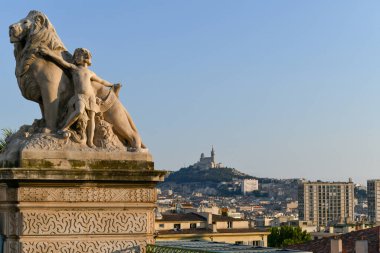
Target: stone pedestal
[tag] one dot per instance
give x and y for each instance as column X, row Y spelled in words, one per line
column 97, row 206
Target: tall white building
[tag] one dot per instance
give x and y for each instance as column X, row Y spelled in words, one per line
column 326, row 203
column 249, row 185
column 373, row 197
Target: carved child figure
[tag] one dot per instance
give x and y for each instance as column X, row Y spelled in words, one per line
column 85, row 99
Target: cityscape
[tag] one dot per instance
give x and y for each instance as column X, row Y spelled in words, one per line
column 241, row 209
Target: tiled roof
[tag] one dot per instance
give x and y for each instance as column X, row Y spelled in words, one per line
column 182, row 217
column 185, row 231
column 242, row 230
column 224, row 218
column 348, row 242
column 206, row 231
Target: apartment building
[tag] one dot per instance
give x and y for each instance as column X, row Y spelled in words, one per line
column 373, row 197
column 326, row 203
column 249, row 185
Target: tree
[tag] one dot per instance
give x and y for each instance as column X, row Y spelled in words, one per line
column 287, row 235
column 5, row 134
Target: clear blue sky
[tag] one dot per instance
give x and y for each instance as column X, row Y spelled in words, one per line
column 280, row 88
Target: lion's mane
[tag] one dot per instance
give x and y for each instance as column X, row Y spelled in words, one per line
column 41, row 34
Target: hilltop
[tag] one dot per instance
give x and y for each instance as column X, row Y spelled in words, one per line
column 210, row 181
column 224, row 181
column 209, row 177
column 193, row 174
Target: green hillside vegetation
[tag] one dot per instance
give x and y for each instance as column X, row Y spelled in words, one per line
column 192, row 174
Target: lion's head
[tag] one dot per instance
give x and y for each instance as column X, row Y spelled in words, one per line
column 30, row 33
column 33, row 31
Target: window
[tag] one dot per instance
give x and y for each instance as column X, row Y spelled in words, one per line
column 177, row 227
column 258, row 243
column 239, row 242
column 161, row 225
column 229, row 224
column 193, row 225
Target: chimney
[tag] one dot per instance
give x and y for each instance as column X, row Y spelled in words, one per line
column 361, row 246
column 336, row 246
column 214, row 229
column 207, row 216
column 209, row 219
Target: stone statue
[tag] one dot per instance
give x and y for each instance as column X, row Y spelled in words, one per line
column 79, row 179
column 54, row 83
column 85, row 100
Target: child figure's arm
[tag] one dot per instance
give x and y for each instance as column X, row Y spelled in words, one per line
column 95, row 78
column 57, row 59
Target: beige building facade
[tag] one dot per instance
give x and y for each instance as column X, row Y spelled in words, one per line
column 209, row 227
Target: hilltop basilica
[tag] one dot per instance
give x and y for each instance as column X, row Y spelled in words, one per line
column 207, row 162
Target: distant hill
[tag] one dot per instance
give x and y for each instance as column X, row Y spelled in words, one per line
column 223, row 182
column 215, row 175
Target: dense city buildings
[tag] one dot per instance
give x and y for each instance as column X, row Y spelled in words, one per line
column 202, row 202
column 249, row 185
column 326, row 203
column 373, row 198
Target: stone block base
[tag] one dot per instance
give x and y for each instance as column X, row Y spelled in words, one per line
column 72, row 245
column 68, row 214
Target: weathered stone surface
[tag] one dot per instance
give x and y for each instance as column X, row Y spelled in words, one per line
column 97, row 207
column 122, row 245
column 85, row 194
column 35, row 150
column 79, row 179
column 74, row 101
column 77, row 210
column 76, row 222
column 79, row 175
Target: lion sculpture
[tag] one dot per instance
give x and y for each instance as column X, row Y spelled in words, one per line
column 44, row 82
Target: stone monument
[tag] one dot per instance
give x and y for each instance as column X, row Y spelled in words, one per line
column 79, row 179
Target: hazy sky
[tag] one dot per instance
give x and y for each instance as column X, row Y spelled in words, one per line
column 280, row 88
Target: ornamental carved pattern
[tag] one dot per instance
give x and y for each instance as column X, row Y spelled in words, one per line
column 13, row 222
column 90, row 194
column 111, row 246
column 12, row 246
column 9, row 222
column 85, row 222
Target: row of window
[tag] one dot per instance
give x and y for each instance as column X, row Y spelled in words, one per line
column 192, row 225
column 253, row 243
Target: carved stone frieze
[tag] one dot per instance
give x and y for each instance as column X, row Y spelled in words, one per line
column 13, row 222
column 12, row 246
column 73, row 246
column 9, row 222
column 37, row 194
column 85, row 222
